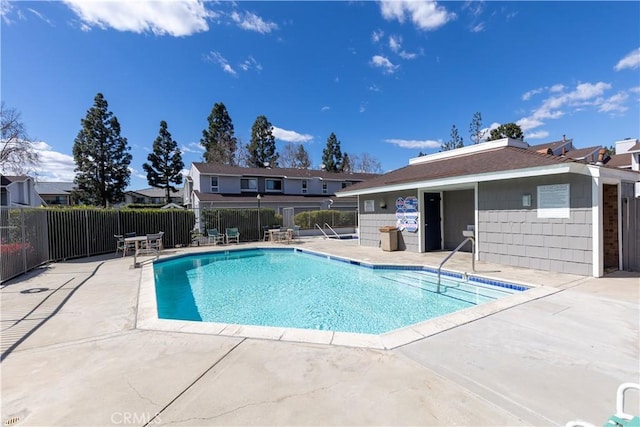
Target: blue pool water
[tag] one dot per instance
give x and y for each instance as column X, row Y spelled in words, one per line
column 296, row 289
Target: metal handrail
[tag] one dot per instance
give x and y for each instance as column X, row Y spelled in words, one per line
column 473, row 260
column 321, row 230
column 334, row 231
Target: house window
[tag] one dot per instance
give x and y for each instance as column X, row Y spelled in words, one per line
column 214, row 184
column 304, row 186
column 324, row 188
column 345, row 184
column 273, row 185
column 249, row 184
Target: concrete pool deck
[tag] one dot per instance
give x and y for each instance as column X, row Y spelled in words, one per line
column 73, row 355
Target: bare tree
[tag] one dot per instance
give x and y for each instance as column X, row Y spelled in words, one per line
column 365, row 163
column 17, row 151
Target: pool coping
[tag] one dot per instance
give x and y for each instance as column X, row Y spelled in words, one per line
column 147, row 313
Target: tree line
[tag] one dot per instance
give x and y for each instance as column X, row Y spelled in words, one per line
column 102, row 155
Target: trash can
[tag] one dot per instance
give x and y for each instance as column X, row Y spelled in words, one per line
column 389, row 238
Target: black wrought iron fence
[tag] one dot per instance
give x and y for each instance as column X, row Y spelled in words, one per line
column 23, row 241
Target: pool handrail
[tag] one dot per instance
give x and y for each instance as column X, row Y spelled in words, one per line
column 473, row 260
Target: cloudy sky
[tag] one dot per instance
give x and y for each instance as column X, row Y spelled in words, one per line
column 388, row 78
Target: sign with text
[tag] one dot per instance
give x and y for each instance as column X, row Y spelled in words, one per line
column 554, row 201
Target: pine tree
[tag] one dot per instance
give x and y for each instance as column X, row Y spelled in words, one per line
column 475, row 128
column 165, row 163
column 102, row 157
column 332, row 155
column 262, row 147
column 455, row 141
column 218, row 139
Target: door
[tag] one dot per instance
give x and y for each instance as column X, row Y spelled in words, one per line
column 433, row 237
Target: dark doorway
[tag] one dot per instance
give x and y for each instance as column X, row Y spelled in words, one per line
column 610, row 227
column 433, row 237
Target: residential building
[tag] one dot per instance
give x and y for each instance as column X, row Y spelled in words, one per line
column 526, row 206
column 152, row 196
column 56, row 193
column 212, row 185
column 18, row 191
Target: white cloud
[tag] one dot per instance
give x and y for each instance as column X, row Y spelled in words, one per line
column 478, row 28
column 217, row 58
column 556, row 88
column 426, row 15
column 40, row 15
column 395, row 43
column 536, row 135
column 414, row 143
column 54, row 166
column 374, row 88
column 377, row 35
column 363, row 107
column 632, row 60
column 527, row 95
column 173, row 17
column 250, row 63
column 252, row 22
column 384, row 63
column 635, row 89
column 325, row 108
column 614, row 104
column 290, row 136
column 527, row 123
column 474, row 7
column 407, row 55
column 5, row 10
column 193, row 147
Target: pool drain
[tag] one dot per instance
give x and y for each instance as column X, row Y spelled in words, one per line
column 12, row 421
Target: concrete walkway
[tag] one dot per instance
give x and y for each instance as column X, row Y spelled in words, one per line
column 73, row 356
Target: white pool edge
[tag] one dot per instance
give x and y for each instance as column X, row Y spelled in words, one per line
column 147, row 318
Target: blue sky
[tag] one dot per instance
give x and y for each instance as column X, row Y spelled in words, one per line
column 388, row 78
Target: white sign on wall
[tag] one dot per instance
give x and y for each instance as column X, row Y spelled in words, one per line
column 369, row 206
column 553, row 201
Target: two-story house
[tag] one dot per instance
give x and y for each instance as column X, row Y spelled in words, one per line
column 18, row 191
column 211, row 185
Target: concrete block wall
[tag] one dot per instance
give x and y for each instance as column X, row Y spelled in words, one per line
column 370, row 222
column 511, row 234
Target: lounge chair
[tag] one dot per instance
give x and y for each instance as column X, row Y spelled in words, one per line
column 266, row 236
column 232, row 234
column 214, row 237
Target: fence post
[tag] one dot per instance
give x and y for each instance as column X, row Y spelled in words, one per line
column 86, row 230
column 23, row 238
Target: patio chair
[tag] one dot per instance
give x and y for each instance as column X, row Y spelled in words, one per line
column 296, row 233
column 214, row 237
column 265, row 233
column 153, row 244
column 232, row 234
column 121, row 245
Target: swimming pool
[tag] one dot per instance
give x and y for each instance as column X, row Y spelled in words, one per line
column 293, row 288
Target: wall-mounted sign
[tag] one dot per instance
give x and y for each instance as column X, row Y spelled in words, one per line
column 554, row 201
column 369, row 206
column 407, row 214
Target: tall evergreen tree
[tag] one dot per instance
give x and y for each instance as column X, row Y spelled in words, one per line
column 507, row 130
column 165, row 163
column 102, row 157
column 455, row 141
column 262, row 147
column 218, row 140
column 475, row 128
column 331, row 154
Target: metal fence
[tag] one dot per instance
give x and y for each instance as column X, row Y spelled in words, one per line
column 30, row 237
column 24, row 242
